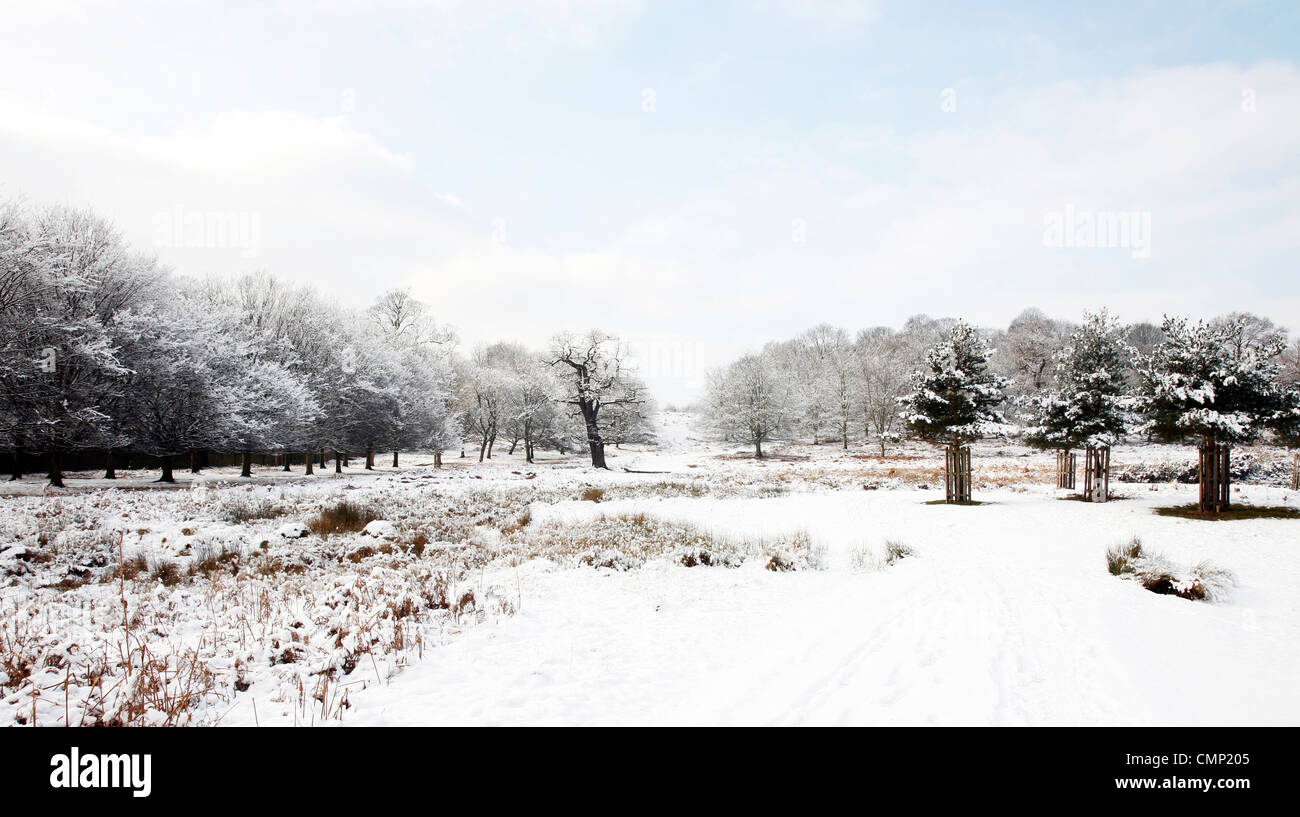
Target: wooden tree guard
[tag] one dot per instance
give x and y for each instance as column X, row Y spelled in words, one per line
column 957, row 474
column 1096, row 473
column 1215, row 483
column 1066, row 463
column 1295, row 472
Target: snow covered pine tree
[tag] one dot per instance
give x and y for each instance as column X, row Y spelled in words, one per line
column 1212, row 381
column 1087, row 404
column 954, row 400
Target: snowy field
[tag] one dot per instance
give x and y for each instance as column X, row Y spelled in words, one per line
column 552, row 593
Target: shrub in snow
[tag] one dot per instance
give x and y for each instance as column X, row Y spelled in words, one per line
column 342, row 517
column 1203, row 582
column 1120, row 558
column 380, row 529
column 896, row 552
column 293, row 530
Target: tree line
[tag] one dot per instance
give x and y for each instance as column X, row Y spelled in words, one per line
column 106, row 350
column 1062, row 385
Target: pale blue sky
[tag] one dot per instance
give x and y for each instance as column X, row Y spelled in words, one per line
column 798, row 165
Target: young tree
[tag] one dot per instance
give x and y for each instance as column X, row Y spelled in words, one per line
column 955, row 400
column 597, row 380
column 1218, row 382
column 748, row 401
column 1087, row 404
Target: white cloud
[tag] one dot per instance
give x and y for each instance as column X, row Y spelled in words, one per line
column 946, row 221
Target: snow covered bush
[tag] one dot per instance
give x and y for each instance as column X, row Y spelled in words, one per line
column 1205, row 581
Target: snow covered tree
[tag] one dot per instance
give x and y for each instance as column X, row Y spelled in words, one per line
column 1087, row 405
column 1219, row 382
column 71, row 277
column 882, row 378
column 175, row 400
column 955, row 400
column 748, row 401
column 1027, row 350
column 596, row 380
column 485, row 399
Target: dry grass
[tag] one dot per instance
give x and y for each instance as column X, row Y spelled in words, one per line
column 1234, row 512
column 895, row 552
column 592, row 494
column 342, row 517
column 628, row 541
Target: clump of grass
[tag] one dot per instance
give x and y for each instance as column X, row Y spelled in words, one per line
column 209, row 561
column 521, row 521
column 896, row 552
column 1120, row 559
column 1233, row 512
column 779, row 564
column 1205, row 581
column 342, row 517
column 592, row 494
column 168, row 574
column 240, row 507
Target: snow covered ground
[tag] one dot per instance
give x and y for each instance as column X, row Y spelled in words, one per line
column 1004, row 613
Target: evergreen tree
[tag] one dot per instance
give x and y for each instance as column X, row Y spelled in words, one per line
column 955, row 398
column 1205, row 380
column 1088, row 403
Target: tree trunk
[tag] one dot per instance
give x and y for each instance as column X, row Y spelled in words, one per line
column 109, row 471
column 16, row 473
column 482, row 448
column 322, row 457
column 288, row 460
column 1215, row 482
column 56, row 468
column 437, row 459
column 394, row 458
column 594, row 442
column 167, row 475
column 247, row 470
column 338, row 463
column 370, row 459
column 957, row 476
column 309, row 459
column 758, row 449
column 513, row 443
column 491, row 442
column 194, row 462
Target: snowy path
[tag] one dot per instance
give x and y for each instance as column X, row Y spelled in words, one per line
column 1017, row 622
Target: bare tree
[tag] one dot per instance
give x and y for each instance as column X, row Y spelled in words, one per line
column 595, row 362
